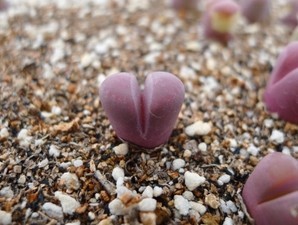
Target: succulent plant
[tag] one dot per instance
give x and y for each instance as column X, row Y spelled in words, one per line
column 142, row 117
column 219, row 20
column 256, row 10
column 281, row 95
column 291, row 19
column 271, row 191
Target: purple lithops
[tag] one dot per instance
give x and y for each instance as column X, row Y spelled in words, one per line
column 219, row 20
column 271, row 191
column 142, row 117
column 3, row 5
column 281, row 95
column 256, row 10
column 291, row 19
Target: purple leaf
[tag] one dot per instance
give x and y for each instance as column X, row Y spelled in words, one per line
column 291, row 19
column 256, row 10
column 281, row 94
column 219, row 20
column 271, row 191
column 143, row 117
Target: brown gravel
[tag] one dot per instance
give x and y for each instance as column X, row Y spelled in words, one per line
column 56, row 140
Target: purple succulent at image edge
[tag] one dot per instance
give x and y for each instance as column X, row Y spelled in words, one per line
column 142, row 117
column 271, row 191
column 291, row 19
column 227, row 10
column 281, row 94
column 256, row 10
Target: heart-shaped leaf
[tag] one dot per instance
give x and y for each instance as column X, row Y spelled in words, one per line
column 270, row 190
column 143, row 117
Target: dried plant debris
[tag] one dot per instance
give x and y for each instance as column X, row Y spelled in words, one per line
column 60, row 160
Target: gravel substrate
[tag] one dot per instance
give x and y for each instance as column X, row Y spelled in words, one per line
column 60, row 160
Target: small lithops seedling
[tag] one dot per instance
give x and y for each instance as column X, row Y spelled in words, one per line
column 281, row 95
column 142, row 117
column 271, row 191
column 256, row 10
column 291, row 19
column 219, row 20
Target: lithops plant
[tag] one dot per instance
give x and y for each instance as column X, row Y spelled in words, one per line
column 281, row 95
column 291, row 19
column 219, row 20
column 271, row 191
column 256, row 10
column 142, row 117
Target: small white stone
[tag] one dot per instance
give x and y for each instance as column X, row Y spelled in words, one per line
column 39, row 142
column 22, row 179
column 78, row 163
column 232, row 206
column 286, row 151
column 228, row 221
column 121, row 149
column 277, row 136
column 157, row 191
column 24, row 138
column 253, row 150
column 54, row 151
column 5, row 218
column 223, row 179
column 52, row 210
column 188, row 195
column 198, row 128
column 187, row 154
column 148, row 192
column 200, row 208
column 56, row 110
column 91, row 215
column 193, row 180
column 117, row 207
column 87, row 59
column 117, row 173
column 202, row 147
column 177, row 164
column 70, row 180
column 4, row 133
column 6, row 192
column 43, row 163
column 181, row 204
column 268, row 123
column 147, row 205
column 68, row 203
column 74, row 223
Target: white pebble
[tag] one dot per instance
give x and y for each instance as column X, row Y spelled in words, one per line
column 253, row 150
column 148, row 192
column 277, row 136
column 91, row 215
column 117, row 173
column 74, row 223
column 223, row 179
column 177, row 164
column 147, row 205
column 188, row 195
column 193, row 180
column 68, row 203
column 202, row 147
column 6, row 192
column 22, row 179
column 198, row 128
column 187, row 154
column 121, row 149
column 78, row 163
column 181, row 204
column 228, row 221
column 5, row 218
column 268, row 123
column 199, row 207
column 24, row 138
column 52, row 210
column 286, row 151
column 54, row 151
column 157, row 191
column 117, row 207
column 4, row 133
column 56, row 110
column 43, row 163
column 70, row 180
